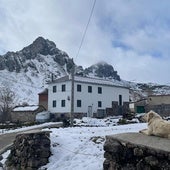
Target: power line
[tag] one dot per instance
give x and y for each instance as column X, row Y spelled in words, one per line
column 73, row 67
column 84, row 34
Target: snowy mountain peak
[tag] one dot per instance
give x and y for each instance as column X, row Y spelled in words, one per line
column 102, row 63
column 27, row 71
column 38, row 51
column 40, row 46
column 102, row 70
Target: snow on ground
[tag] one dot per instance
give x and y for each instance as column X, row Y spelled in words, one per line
column 82, row 147
column 109, row 121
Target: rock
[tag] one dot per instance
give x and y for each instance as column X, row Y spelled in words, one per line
column 30, row 151
column 21, row 60
column 103, row 70
column 1, row 165
column 107, row 155
column 134, row 151
column 112, row 146
column 138, row 152
column 106, row 164
column 1, row 157
column 151, row 160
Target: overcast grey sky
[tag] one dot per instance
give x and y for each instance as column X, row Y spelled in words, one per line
column 132, row 35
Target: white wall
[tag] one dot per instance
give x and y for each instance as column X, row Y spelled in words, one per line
column 109, row 94
column 58, row 96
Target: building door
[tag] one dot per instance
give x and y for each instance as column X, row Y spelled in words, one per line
column 89, row 113
column 120, row 100
column 140, row 109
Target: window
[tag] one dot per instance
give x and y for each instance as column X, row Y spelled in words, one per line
column 99, row 90
column 63, row 87
column 63, row 103
column 54, row 89
column 120, row 100
column 54, row 103
column 78, row 103
column 89, row 89
column 79, row 87
column 99, row 104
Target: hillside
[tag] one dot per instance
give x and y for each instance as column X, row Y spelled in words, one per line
column 26, row 72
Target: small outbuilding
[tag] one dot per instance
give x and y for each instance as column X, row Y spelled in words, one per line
column 139, row 106
column 26, row 113
column 159, row 103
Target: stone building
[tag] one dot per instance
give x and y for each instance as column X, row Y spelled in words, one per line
column 138, row 106
column 159, row 103
column 25, row 113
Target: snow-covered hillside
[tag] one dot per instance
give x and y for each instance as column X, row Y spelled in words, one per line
column 26, row 72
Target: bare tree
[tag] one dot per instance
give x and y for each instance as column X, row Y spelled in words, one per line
column 7, row 98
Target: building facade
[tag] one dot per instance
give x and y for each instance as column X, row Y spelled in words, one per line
column 91, row 96
column 159, row 103
column 25, row 113
column 43, row 99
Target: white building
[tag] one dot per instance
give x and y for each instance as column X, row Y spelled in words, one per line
column 91, row 95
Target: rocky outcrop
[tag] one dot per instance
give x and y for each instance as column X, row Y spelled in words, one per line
column 102, row 70
column 134, row 151
column 30, row 151
column 15, row 61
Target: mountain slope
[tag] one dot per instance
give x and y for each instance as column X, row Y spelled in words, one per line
column 26, row 71
column 40, row 51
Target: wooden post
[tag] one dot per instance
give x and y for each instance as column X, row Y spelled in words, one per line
column 72, row 96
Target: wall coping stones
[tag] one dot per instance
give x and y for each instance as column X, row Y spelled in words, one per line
column 154, row 142
column 35, row 131
column 136, row 151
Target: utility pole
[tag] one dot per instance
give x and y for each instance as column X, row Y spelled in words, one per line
column 72, row 96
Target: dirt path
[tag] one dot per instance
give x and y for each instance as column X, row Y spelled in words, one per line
column 6, row 140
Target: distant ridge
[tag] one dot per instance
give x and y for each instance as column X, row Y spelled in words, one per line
column 26, row 71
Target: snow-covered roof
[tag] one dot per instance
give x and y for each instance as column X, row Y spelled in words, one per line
column 45, row 91
column 25, row 108
column 91, row 80
column 96, row 81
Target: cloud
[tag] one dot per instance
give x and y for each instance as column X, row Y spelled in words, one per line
column 131, row 35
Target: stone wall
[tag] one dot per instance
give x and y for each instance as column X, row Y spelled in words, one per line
column 25, row 116
column 67, row 115
column 117, row 109
column 30, row 151
column 134, row 151
column 162, row 109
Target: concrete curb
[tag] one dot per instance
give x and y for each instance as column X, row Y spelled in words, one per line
column 6, row 148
